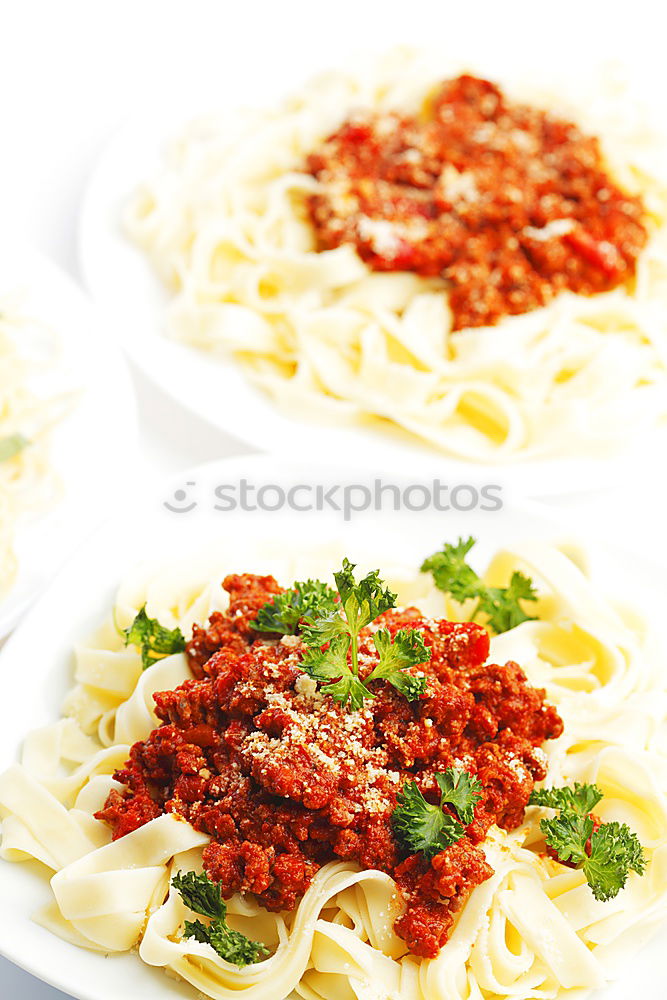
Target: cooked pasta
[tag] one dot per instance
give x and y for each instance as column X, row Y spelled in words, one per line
column 28, row 413
column 532, row 930
column 224, row 223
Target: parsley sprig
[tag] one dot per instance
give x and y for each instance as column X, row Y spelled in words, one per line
column 407, row 650
column 281, row 615
column 606, row 855
column 153, row 640
column 203, row 896
column 338, row 628
column 426, row 828
column 501, row 605
column 12, row 445
column 460, row 789
column 581, row 798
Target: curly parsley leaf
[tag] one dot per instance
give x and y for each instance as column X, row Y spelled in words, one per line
column 568, row 835
column 282, row 614
column 449, row 567
column 324, row 617
column 460, row 789
column 200, row 894
column 154, row 640
column 338, row 628
column 325, row 627
column 421, row 826
column 364, row 601
column 229, row 944
column 615, row 852
column 12, row 445
column 331, row 668
column 349, row 690
column 407, row 650
column 203, row 896
column 581, row 799
column 411, row 687
column 501, row 605
column 606, row 855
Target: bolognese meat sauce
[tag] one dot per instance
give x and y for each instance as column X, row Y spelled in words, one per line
column 283, row 779
column 508, row 204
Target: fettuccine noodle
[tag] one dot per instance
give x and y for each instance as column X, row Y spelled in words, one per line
column 27, row 479
column 532, row 930
column 225, row 226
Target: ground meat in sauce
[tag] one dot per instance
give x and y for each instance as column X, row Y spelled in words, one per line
column 284, row 779
column 508, row 204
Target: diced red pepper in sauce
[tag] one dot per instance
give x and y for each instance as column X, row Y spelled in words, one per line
column 283, row 779
column 506, row 203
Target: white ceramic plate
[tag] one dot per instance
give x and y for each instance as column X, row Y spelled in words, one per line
column 215, row 388
column 82, row 594
column 95, row 441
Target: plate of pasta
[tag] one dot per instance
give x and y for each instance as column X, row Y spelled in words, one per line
column 67, row 416
column 401, row 255
column 297, row 758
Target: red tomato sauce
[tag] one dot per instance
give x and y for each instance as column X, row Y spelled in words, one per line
column 284, row 779
column 508, row 204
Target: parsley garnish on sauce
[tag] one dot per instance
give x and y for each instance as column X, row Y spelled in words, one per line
column 500, row 605
column 153, row 640
column 203, row 896
column 460, row 789
column 338, row 628
column 329, row 623
column 423, row 827
column 606, row 855
column 282, row 614
column 407, row 650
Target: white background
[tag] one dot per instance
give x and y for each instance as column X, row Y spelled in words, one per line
column 71, row 71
